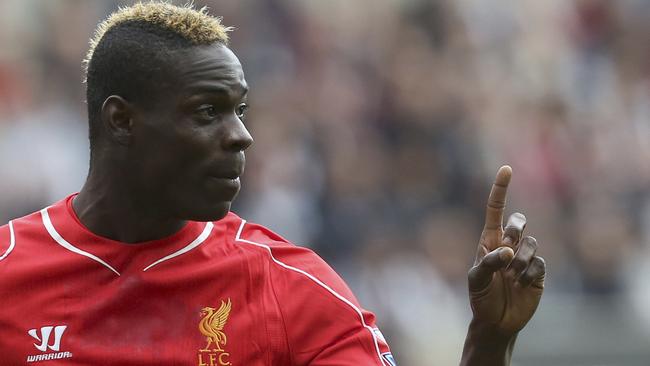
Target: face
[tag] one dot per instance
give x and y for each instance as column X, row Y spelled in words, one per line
column 188, row 149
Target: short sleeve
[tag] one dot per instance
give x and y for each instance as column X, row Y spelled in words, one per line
column 324, row 323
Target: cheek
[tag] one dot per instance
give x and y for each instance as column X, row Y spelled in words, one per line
column 189, row 154
column 172, row 153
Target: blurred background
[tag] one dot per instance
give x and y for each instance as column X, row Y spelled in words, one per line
column 378, row 127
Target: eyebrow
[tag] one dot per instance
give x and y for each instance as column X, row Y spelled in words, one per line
column 217, row 89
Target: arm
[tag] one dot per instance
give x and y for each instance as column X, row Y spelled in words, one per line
column 484, row 345
column 505, row 284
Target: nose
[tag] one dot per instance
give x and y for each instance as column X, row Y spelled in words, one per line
column 236, row 138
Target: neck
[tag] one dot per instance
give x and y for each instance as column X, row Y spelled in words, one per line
column 109, row 205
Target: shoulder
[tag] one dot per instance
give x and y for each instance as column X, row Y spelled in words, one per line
column 293, row 266
column 253, row 235
column 311, row 295
column 256, row 234
column 280, row 250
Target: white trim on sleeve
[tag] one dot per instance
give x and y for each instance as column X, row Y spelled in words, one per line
column 318, row 282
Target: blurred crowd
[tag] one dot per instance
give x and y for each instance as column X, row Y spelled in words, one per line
column 378, row 127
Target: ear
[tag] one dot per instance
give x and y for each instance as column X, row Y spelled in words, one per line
column 117, row 118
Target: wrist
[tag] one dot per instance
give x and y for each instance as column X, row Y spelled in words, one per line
column 487, row 345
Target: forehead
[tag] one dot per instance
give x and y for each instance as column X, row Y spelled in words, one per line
column 210, row 68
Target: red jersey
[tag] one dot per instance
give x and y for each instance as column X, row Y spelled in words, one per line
column 219, row 293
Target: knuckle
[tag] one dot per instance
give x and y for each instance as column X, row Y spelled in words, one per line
column 526, row 279
column 513, row 234
column 511, row 229
column 540, row 262
column 516, row 223
column 530, row 242
column 530, row 275
column 496, row 204
column 518, row 264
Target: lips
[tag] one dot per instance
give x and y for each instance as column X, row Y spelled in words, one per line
column 225, row 188
column 229, row 169
column 231, row 175
column 227, row 181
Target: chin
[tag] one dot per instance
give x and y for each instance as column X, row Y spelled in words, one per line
column 214, row 212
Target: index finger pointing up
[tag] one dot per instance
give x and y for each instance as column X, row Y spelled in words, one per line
column 497, row 200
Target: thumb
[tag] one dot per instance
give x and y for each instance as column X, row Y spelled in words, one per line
column 480, row 276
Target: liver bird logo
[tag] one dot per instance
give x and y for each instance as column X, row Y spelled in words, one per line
column 212, row 326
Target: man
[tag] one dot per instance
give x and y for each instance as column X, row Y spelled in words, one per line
column 147, row 266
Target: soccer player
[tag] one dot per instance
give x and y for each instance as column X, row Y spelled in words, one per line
column 146, row 265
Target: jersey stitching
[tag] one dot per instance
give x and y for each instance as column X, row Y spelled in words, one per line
column 246, row 253
column 284, row 323
column 289, row 353
column 12, row 241
column 317, row 281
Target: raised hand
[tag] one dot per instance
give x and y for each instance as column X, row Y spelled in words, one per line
column 507, row 279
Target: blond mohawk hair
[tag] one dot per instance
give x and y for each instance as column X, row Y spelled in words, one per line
column 195, row 25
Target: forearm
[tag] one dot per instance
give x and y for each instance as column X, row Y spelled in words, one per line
column 486, row 346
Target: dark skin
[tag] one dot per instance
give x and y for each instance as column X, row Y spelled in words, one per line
column 156, row 168
column 505, row 284
column 180, row 160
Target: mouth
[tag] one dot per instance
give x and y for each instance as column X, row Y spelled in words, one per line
column 231, row 174
column 225, row 177
column 227, row 183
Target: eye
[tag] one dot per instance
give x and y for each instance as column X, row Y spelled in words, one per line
column 241, row 110
column 207, row 112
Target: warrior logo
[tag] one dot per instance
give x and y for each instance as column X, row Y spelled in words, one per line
column 44, row 338
column 211, row 326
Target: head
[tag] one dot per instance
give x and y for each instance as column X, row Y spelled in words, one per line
column 166, row 103
column 207, row 311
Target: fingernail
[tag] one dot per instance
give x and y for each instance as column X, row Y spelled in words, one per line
column 503, row 254
column 507, row 241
